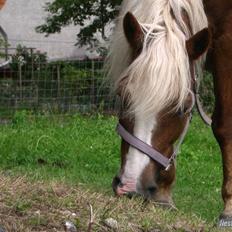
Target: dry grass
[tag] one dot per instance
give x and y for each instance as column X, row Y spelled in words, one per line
column 42, row 206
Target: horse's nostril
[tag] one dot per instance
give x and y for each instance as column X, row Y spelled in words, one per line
column 116, row 183
column 152, row 189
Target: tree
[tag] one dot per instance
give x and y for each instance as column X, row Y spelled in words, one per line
column 92, row 15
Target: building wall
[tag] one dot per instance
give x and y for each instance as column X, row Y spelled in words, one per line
column 20, row 17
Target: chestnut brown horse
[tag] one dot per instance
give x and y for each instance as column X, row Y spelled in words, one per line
column 219, row 62
column 157, row 49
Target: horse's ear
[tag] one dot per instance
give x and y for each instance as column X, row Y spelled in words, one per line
column 199, row 44
column 133, row 31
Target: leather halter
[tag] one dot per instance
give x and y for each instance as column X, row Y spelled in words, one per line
column 151, row 152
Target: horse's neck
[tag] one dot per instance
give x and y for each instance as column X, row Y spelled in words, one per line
column 217, row 9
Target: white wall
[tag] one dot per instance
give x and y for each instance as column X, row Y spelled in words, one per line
column 19, row 19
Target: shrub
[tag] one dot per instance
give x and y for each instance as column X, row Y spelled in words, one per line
column 27, row 60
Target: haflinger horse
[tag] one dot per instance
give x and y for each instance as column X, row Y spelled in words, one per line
column 157, row 49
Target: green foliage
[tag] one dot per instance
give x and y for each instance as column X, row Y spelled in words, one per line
column 83, row 85
column 1, row 41
column 65, row 12
column 3, row 44
column 207, row 92
column 27, row 59
column 56, row 87
column 71, row 73
column 20, row 118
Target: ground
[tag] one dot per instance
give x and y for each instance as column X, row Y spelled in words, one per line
column 41, row 206
column 55, row 169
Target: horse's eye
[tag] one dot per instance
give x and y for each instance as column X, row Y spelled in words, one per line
column 181, row 112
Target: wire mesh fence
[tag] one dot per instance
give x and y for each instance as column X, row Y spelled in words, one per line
column 30, row 82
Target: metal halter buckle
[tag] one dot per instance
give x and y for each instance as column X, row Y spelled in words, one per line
column 168, row 167
column 171, row 162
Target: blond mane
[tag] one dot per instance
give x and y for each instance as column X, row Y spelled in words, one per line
column 160, row 75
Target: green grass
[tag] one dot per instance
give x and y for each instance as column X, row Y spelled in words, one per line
column 85, row 150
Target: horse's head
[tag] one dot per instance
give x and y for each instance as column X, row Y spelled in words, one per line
column 156, row 100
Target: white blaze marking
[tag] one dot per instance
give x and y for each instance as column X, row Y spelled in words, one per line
column 136, row 161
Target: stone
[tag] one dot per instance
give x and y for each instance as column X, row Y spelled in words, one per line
column 111, row 223
column 70, row 227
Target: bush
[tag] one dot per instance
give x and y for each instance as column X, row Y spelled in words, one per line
column 27, row 60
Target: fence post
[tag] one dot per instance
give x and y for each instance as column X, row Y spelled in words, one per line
column 32, row 65
column 93, row 83
column 20, row 82
column 58, row 86
column 33, row 78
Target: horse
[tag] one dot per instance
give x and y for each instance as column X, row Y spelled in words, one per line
column 157, row 49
